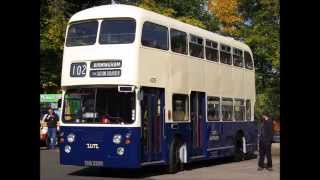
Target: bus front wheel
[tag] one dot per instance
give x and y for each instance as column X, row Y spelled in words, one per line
column 175, row 163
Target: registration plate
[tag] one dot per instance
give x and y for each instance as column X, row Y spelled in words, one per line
column 93, row 163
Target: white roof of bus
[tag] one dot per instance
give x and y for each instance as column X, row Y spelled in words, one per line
column 118, row 10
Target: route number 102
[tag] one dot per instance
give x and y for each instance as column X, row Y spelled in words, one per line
column 78, row 69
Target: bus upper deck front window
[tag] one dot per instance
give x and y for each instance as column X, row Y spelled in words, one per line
column 82, row 33
column 99, row 105
column 117, row 31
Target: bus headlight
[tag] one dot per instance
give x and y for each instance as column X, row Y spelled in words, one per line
column 120, row 151
column 70, row 138
column 116, row 138
column 67, row 149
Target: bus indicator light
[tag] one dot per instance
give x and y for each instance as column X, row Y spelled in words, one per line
column 128, row 135
column 127, row 141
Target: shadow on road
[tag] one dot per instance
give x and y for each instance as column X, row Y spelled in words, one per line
column 144, row 172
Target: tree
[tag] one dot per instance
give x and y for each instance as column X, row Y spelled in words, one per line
column 261, row 32
column 189, row 11
column 227, row 13
column 153, row 6
column 53, row 23
column 256, row 21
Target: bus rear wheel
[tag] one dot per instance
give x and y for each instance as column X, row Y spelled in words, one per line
column 175, row 163
column 239, row 153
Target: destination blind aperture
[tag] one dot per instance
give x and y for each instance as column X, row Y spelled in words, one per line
column 105, row 73
column 106, row 64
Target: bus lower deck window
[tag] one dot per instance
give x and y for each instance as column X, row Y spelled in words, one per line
column 239, row 110
column 213, row 108
column 180, row 107
column 227, row 109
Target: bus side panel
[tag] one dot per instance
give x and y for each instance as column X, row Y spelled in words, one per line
column 222, row 134
column 227, row 133
column 181, row 130
column 82, row 154
column 250, row 132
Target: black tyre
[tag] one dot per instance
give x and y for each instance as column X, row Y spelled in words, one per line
column 250, row 155
column 174, row 160
column 238, row 151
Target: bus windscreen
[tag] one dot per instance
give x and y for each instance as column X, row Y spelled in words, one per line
column 98, row 106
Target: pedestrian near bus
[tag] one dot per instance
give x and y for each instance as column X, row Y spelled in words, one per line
column 265, row 142
column 51, row 119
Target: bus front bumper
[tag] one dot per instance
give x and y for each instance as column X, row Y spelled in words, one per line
column 94, row 146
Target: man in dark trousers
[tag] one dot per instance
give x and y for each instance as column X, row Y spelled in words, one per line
column 265, row 141
column 51, row 119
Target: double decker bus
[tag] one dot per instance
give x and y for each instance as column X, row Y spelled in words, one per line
column 140, row 88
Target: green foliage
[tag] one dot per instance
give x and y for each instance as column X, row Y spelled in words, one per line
column 259, row 27
column 188, row 11
column 261, row 33
column 153, row 6
column 192, row 21
column 53, row 23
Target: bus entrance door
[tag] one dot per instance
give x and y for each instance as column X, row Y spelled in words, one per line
column 152, row 124
column 198, row 116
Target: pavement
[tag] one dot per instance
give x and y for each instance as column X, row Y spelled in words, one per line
column 222, row 169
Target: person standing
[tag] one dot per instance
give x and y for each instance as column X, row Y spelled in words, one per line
column 265, row 142
column 51, row 119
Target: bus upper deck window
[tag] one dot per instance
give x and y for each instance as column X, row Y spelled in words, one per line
column 237, row 57
column 117, row 31
column 155, row 36
column 225, row 54
column 82, row 33
column 196, row 46
column 178, row 41
column 212, row 51
column 248, row 60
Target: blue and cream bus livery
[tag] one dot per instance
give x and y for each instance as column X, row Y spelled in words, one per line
column 140, row 88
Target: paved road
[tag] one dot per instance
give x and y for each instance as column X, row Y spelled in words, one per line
column 208, row 170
